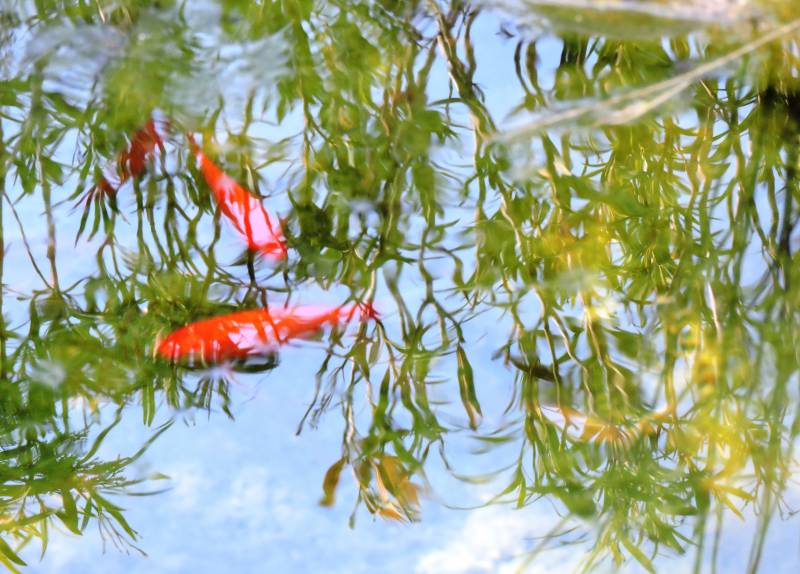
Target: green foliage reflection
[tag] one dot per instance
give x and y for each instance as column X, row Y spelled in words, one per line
column 628, row 246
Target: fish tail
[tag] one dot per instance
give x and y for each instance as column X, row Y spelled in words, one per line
column 363, row 311
column 272, row 251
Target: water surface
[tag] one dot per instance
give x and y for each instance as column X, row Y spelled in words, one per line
column 577, row 223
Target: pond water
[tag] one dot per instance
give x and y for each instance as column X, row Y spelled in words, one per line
column 519, row 282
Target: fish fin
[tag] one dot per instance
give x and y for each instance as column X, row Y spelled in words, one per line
column 242, row 259
column 368, row 311
column 257, row 363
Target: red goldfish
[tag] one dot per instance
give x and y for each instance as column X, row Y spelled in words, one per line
column 243, row 334
column 132, row 161
column 243, row 209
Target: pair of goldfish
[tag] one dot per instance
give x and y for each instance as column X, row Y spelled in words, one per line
column 243, row 334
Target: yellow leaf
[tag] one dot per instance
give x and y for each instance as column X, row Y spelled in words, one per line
column 391, row 512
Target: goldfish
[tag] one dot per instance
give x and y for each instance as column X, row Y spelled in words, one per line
column 242, row 208
column 243, row 334
column 132, row 161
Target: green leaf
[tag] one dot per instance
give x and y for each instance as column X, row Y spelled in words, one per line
column 638, row 554
column 69, row 516
column 466, row 386
column 9, row 554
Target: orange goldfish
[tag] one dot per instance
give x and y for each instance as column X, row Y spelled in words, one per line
column 243, row 209
column 243, row 334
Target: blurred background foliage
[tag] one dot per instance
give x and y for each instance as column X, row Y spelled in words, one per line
column 606, row 193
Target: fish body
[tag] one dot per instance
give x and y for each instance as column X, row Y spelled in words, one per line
column 242, row 208
column 243, row 334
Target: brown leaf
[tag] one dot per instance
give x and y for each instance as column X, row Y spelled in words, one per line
column 330, row 483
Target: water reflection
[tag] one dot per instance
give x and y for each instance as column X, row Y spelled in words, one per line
column 634, row 274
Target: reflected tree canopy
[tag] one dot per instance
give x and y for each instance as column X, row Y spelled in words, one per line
column 612, row 207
